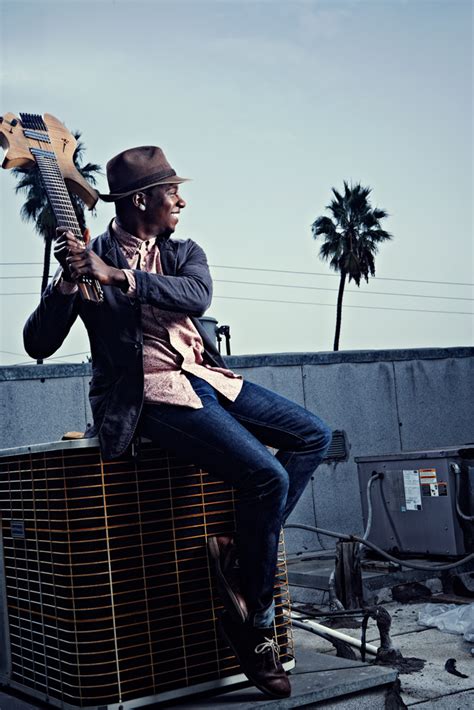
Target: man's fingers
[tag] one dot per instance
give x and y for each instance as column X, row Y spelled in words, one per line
column 63, row 231
column 65, row 238
column 78, row 263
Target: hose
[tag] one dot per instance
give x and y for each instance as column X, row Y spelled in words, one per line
column 368, row 527
column 372, row 546
column 455, row 468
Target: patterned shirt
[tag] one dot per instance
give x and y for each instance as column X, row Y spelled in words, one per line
column 172, row 345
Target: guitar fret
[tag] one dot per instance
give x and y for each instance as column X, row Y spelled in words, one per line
column 57, row 193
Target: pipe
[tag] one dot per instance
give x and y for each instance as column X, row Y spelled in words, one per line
column 401, row 563
column 319, row 629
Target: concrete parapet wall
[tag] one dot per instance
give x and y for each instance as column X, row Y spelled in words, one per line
column 386, row 401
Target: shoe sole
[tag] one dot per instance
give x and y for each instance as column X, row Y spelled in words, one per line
column 264, row 690
column 235, row 610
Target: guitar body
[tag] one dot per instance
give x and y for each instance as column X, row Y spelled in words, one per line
column 63, row 143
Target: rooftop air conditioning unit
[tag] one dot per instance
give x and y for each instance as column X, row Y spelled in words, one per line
column 106, row 595
column 423, row 503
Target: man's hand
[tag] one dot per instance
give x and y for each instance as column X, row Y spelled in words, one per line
column 78, row 261
column 65, row 245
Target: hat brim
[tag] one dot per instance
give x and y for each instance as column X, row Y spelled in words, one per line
column 113, row 197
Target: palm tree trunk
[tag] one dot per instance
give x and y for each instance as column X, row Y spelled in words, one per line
column 48, row 240
column 340, row 294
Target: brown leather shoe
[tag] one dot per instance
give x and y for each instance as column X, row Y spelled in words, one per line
column 258, row 654
column 223, row 553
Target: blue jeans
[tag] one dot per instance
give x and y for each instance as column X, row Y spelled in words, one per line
column 229, row 440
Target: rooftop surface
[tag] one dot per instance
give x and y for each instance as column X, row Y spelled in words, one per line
column 323, row 680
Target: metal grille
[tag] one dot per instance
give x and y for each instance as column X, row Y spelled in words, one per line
column 109, row 592
column 338, row 449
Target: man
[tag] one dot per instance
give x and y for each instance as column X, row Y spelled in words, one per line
column 155, row 372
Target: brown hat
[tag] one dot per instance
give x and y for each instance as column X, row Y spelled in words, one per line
column 136, row 169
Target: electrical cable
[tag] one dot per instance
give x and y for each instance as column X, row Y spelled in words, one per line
column 303, row 303
column 332, row 305
column 57, row 357
column 372, row 546
column 21, row 263
column 281, row 271
column 322, row 288
column 371, row 481
column 49, row 276
column 455, row 468
column 341, row 612
column 319, row 273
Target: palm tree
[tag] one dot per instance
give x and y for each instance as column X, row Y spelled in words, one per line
column 351, row 239
column 38, row 209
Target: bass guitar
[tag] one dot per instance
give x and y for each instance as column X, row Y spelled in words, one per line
column 43, row 140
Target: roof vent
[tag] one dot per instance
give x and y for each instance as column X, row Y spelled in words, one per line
column 339, row 447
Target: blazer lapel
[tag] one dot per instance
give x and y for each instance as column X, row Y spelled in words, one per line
column 112, row 252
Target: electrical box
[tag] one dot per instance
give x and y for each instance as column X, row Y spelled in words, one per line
column 423, row 502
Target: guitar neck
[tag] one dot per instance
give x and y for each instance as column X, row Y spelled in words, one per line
column 57, row 191
column 34, row 128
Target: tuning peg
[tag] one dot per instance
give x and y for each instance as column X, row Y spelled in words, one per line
column 13, row 123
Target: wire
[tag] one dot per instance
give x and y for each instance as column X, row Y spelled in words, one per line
column 402, row 563
column 327, row 614
column 57, row 357
column 302, row 303
column 26, row 277
column 321, row 288
column 21, row 263
column 331, row 305
column 456, row 469
column 319, row 273
column 61, row 357
column 279, row 271
column 307, row 288
column 375, row 475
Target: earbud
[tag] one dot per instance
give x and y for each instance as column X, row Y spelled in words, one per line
column 142, row 207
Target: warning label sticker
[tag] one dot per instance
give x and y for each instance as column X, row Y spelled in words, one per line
column 428, row 475
column 411, row 485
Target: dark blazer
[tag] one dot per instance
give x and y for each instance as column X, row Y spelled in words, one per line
column 115, row 331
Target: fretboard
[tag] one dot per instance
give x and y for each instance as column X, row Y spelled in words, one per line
column 35, row 128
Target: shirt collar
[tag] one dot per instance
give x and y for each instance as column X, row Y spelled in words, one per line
column 130, row 244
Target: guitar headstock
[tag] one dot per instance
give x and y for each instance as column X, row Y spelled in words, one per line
column 14, row 143
column 20, row 134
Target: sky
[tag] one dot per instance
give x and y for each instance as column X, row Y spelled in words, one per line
column 267, row 105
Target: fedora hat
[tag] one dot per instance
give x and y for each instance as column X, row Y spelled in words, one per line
column 136, row 169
